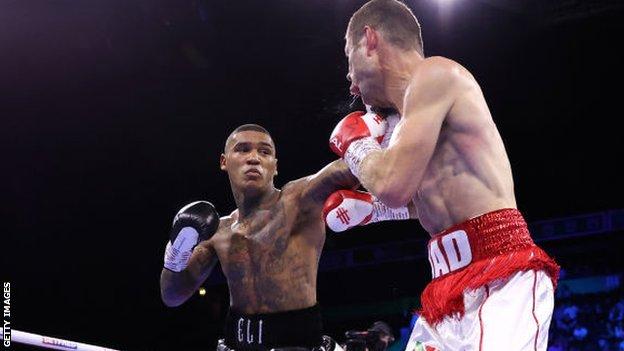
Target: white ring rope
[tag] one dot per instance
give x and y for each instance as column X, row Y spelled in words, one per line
column 49, row 342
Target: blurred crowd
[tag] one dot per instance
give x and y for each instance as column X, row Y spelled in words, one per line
column 587, row 321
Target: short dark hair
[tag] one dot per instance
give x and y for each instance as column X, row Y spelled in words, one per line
column 247, row 127
column 250, row 126
column 391, row 17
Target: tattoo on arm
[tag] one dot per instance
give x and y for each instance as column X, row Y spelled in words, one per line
column 334, row 176
column 177, row 287
column 201, row 263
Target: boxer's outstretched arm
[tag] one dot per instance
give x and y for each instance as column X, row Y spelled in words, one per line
column 177, row 287
column 332, row 177
column 394, row 174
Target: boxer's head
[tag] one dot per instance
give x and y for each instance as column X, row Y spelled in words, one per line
column 249, row 158
column 376, row 29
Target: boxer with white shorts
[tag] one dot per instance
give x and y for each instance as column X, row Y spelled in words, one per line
column 492, row 288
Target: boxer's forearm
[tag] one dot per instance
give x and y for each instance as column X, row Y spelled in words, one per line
column 332, row 177
column 386, row 176
column 177, row 287
column 375, row 176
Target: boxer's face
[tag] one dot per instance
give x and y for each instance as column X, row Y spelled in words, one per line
column 364, row 72
column 249, row 160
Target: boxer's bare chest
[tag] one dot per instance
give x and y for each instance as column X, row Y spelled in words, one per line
column 263, row 245
column 250, row 241
column 468, row 173
column 267, row 263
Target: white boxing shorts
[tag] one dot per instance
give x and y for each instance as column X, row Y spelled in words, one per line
column 492, row 288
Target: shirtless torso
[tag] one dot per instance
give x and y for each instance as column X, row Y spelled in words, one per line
column 445, row 154
column 271, row 259
column 468, row 173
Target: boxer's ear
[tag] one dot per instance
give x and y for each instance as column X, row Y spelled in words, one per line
column 222, row 163
column 371, row 39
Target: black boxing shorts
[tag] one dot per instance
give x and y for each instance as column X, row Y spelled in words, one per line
column 266, row 331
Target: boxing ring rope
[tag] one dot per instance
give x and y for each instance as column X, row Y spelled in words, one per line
column 49, row 342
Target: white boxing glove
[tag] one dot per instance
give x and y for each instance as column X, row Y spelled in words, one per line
column 345, row 209
column 355, row 136
column 392, row 121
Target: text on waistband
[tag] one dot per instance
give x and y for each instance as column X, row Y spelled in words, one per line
column 449, row 252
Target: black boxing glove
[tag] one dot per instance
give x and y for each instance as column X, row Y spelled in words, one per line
column 195, row 222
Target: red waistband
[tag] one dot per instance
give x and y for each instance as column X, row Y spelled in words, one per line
column 476, row 252
column 491, row 234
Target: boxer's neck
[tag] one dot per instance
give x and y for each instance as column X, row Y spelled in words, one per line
column 398, row 69
column 250, row 203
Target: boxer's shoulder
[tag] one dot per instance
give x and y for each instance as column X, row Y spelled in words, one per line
column 292, row 190
column 225, row 222
column 437, row 80
column 221, row 239
column 297, row 192
column 317, row 187
column 440, row 65
column 439, row 72
column 294, row 198
column 438, row 61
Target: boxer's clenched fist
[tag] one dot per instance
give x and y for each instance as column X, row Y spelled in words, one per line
column 355, row 126
column 345, row 209
column 195, row 222
column 356, row 135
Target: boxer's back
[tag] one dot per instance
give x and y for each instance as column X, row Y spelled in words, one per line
column 270, row 259
column 469, row 172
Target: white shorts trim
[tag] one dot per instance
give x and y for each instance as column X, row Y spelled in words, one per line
column 510, row 314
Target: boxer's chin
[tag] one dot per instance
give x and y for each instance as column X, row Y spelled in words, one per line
column 375, row 103
column 254, row 185
column 367, row 100
column 384, row 111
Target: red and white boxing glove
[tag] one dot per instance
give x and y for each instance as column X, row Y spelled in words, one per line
column 345, row 209
column 355, row 136
column 391, row 122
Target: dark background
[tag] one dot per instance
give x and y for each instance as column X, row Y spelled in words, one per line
column 114, row 114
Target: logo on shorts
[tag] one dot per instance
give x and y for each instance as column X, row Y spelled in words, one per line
column 249, row 331
column 449, row 253
column 343, row 215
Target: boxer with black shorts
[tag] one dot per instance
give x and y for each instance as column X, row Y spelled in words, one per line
column 269, row 247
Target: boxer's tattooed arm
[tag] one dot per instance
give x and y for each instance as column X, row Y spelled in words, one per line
column 334, row 176
column 177, row 287
column 202, row 262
